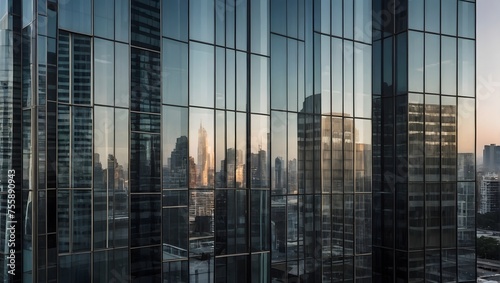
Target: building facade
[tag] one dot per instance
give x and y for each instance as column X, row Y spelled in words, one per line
column 238, row 140
column 491, row 158
column 489, row 194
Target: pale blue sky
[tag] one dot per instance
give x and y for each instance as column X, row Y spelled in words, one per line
column 488, row 74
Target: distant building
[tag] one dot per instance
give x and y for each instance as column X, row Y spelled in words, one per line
column 489, row 193
column 491, row 158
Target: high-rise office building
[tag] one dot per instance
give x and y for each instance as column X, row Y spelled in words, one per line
column 238, row 140
column 491, row 158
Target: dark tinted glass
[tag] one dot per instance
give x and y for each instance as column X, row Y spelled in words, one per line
column 145, row 216
column 145, row 264
column 145, row 81
column 145, row 23
column 145, row 163
column 76, row 16
column 175, row 19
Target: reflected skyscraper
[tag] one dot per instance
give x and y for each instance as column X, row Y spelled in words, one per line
column 239, row 141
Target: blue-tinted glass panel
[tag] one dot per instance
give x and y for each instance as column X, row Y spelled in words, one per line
column 241, row 24
column 449, row 17
column 259, row 82
column 322, row 73
column 176, row 272
column 104, row 75
column 241, row 81
column 466, row 67
column 230, row 79
column 448, row 65
column 322, row 16
column 76, row 16
column 260, row 27
column 348, row 18
column 348, row 78
column 81, row 147
column 81, row 70
column 175, row 19
column 220, row 78
column 81, row 214
column 337, row 20
column 432, row 15
column 175, row 147
column 27, row 12
column 122, row 20
column 201, row 20
column 337, row 76
column 401, row 63
column 201, row 75
column 416, row 14
column 145, row 163
column 466, row 19
column 74, row 268
column 278, row 19
column 145, row 23
column 145, row 81
column 122, row 74
column 145, row 224
column 363, row 20
column 175, row 72
column 104, row 18
column 121, row 179
column 362, row 80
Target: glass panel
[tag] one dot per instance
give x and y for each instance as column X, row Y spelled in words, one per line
column 348, row 78
column 122, row 20
column 81, row 214
column 363, row 161
column 415, row 137
column 231, row 152
column 449, row 17
column 416, row 61
column 220, row 149
column 175, row 19
column 260, row 151
column 104, row 18
column 260, row 27
column 337, row 21
column 432, row 138
column 278, row 19
column 81, row 148
column 278, row 72
column 230, row 19
column 363, row 213
column 416, row 14
column 175, row 72
column 201, row 232
column 363, row 21
column 145, row 23
column 466, row 67
column 293, row 139
column 103, row 170
column 348, row 155
column 241, row 150
column 466, row 265
column 201, row 149
column 401, row 63
column 145, row 163
column 231, row 222
column 337, row 76
column 432, row 63
column 322, row 73
column 432, row 215
column 466, row 144
column 121, row 179
column 362, row 80
column 145, row 220
column 176, row 271
column 122, row 73
column 241, row 81
column 348, row 18
column 201, row 20
column 76, row 16
column 448, row 215
column 448, row 138
column 466, row 218
column 104, row 76
column 175, row 233
column 201, row 75
column 145, row 81
column 278, row 151
column 74, row 268
column 259, row 216
column 241, row 24
column 466, row 19
column 220, row 78
column 145, row 264
column 259, row 83
column 81, row 71
column 293, row 82
column 230, row 79
column 416, row 222
column 432, row 15
column 448, row 65
column 144, row 122
column 175, row 147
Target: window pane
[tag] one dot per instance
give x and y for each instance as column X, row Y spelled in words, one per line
column 201, row 20
column 260, row 27
column 260, row 225
column 122, row 20
column 175, row 72
column 363, row 20
column 104, row 18
column 432, row 138
column 337, row 76
column 175, row 19
column 104, row 72
column 241, row 81
column 362, row 80
column 363, row 153
column 448, row 138
column 220, row 78
column 175, row 147
column 176, row 272
column 145, row 23
column 432, row 63
column 293, row 75
column 260, row 151
column 145, row 81
column 76, row 16
column 415, row 137
column 145, row 163
column 201, row 74
column 348, row 78
column 466, row 67
column 241, row 24
column 466, row 144
column 220, row 149
column 122, row 73
column 145, row 264
column 278, row 72
column 416, row 14
column 448, row 65
column 432, row 15
column 466, row 19
column 81, row 73
column 259, row 84
column 416, row 62
column 175, row 233
column 449, row 17
column 145, row 224
column 278, row 151
column 81, row 147
column 201, row 150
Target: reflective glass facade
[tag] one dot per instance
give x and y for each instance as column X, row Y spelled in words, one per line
column 239, row 140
